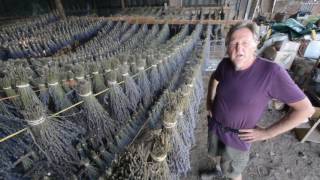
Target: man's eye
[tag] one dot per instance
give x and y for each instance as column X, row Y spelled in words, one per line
column 233, row 44
column 245, row 43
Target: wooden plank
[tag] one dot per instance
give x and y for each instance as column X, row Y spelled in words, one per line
column 191, row 8
column 316, row 114
column 152, row 20
column 308, row 134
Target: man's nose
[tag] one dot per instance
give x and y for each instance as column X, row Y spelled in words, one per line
column 239, row 46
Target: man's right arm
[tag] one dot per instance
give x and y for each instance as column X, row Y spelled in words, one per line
column 212, row 87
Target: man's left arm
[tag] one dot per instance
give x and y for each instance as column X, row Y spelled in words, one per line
column 301, row 111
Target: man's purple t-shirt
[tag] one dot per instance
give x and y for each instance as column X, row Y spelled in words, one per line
column 242, row 96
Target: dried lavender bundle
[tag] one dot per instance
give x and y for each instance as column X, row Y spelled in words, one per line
column 6, row 84
column 153, row 75
column 47, row 132
column 24, row 89
column 67, row 77
column 79, row 72
column 99, row 123
column 4, row 110
column 98, row 84
column 179, row 157
column 130, row 88
column 164, row 79
column 13, row 148
column 144, row 83
column 116, row 101
column 44, row 95
column 60, row 99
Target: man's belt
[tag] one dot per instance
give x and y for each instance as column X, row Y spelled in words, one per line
column 222, row 127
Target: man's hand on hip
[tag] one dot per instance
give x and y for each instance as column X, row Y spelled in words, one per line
column 252, row 135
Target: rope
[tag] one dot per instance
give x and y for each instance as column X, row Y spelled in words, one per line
column 36, row 122
column 12, row 135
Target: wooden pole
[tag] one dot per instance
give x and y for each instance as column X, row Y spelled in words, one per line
column 123, row 4
column 274, row 4
column 248, row 10
column 60, row 9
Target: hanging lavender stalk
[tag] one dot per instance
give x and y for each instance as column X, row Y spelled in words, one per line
column 130, row 88
column 199, row 88
column 153, row 75
column 89, row 171
column 99, row 124
column 164, row 79
column 106, row 155
column 13, row 148
column 43, row 91
column 56, row 91
column 143, row 82
column 79, row 72
column 4, row 110
column 133, row 65
column 189, row 114
column 60, row 100
column 97, row 160
column 179, row 157
column 106, row 67
column 97, row 82
column 66, row 76
column 169, row 63
column 184, row 126
column 117, row 102
column 69, row 86
column 47, row 132
column 24, row 88
column 6, row 84
column 64, row 82
column 115, row 64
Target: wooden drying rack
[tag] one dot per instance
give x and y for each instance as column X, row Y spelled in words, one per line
column 152, row 20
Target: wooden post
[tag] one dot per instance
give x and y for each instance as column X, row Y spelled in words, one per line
column 256, row 9
column 122, row 4
column 274, row 4
column 60, row 9
column 248, row 10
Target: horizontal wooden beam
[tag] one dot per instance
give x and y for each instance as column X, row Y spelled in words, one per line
column 152, row 20
column 189, row 8
column 206, row 8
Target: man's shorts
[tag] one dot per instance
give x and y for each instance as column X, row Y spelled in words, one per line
column 233, row 161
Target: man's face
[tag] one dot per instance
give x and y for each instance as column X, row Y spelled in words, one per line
column 241, row 49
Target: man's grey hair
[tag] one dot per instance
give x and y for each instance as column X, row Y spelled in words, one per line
column 249, row 25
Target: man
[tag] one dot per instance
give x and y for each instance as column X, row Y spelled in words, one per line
column 238, row 94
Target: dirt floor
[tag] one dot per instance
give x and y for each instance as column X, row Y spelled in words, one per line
column 280, row 158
